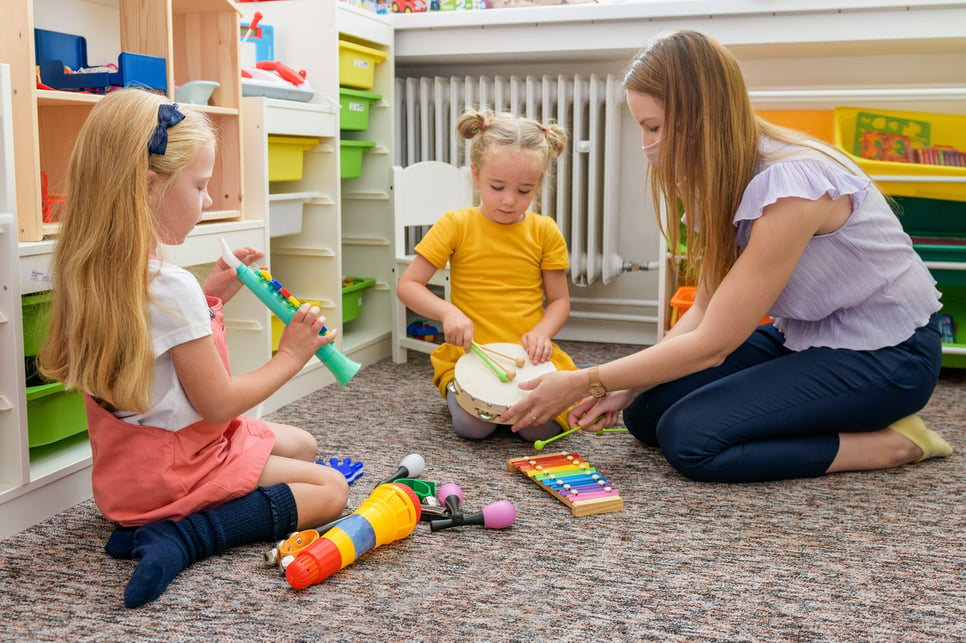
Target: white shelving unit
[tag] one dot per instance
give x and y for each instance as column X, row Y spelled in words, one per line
column 346, row 227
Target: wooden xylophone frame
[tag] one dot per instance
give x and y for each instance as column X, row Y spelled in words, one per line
column 571, row 480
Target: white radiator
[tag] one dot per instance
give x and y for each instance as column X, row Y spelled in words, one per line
column 582, row 191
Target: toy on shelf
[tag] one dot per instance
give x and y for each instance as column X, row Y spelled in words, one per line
column 283, row 304
column 422, row 329
column 388, row 514
column 273, row 79
column 49, row 199
column 572, row 480
column 62, row 62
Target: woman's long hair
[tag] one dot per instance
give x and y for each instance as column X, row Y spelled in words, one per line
column 99, row 337
column 709, row 144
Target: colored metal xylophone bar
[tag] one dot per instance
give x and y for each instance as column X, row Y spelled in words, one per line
column 572, row 480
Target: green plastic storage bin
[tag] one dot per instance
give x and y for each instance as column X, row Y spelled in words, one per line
column 350, row 158
column 354, row 115
column 954, row 304
column 937, row 227
column 34, row 310
column 53, row 414
column 352, row 292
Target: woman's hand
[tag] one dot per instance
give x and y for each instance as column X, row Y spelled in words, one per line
column 222, row 281
column 599, row 412
column 551, row 394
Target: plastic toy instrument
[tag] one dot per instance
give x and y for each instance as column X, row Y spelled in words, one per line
column 284, row 304
column 389, row 513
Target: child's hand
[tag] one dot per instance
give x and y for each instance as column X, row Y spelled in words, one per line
column 539, row 347
column 222, row 282
column 458, row 329
column 301, row 337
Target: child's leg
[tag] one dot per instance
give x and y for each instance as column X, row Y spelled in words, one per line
column 166, row 548
column 293, row 442
column 320, row 492
column 466, row 425
column 540, row 432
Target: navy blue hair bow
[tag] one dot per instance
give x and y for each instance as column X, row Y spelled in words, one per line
column 168, row 115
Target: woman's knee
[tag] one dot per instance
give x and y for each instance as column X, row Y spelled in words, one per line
column 640, row 422
column 684, row 448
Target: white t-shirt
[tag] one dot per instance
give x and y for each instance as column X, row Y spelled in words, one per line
column 179, row 313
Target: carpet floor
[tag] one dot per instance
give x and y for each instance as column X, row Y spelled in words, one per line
column 875, row 556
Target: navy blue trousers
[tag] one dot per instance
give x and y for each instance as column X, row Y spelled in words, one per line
column 769, row 413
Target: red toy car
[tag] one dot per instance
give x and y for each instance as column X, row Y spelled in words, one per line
column 408, row 6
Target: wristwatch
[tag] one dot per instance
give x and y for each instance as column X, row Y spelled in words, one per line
column 596, row 388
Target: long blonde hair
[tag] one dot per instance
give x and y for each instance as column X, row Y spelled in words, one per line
column 99, row 338
column 709, row 144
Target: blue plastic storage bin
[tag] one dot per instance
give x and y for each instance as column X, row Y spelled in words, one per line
column 55, row 50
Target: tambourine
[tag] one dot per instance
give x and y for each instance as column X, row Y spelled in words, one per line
column 479, row 390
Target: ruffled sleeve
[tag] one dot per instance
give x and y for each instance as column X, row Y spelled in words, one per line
column 807, row 178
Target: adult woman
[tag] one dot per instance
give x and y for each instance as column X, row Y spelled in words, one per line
column 775, row 224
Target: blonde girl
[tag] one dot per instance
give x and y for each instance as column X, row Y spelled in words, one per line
column 175, row 462
column 780, row 225
column 507, row 264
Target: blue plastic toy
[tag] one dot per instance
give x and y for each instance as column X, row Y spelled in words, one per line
column 351, row 470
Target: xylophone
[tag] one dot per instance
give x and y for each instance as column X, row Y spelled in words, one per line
column 572, row 480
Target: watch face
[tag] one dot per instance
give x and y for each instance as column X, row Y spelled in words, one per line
column 597, row 390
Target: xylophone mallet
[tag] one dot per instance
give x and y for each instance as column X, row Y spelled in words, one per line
column 517, row 361
column 496, row 515
column 503, row 373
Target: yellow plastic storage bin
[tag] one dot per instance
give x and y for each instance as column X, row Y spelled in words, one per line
column 286, row 156
column 53, row 414
column 350, row 158
column 908, row 179
column 278, row 325
column 357, row 65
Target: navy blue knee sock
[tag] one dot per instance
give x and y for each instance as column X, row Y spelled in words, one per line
column 166, row 548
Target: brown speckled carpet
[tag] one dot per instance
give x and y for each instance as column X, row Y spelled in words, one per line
column 851, row 557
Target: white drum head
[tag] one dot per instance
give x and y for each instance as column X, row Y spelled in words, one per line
column 479, row 390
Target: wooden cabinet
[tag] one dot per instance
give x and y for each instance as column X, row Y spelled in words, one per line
column 195, row 37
